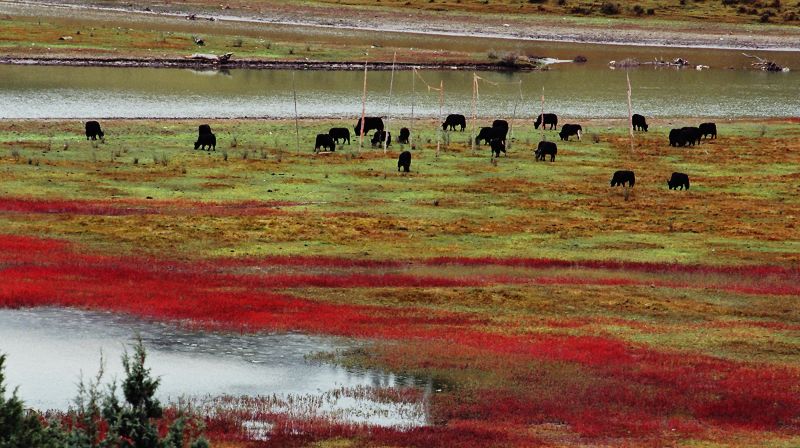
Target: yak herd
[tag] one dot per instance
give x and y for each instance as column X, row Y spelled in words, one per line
column 494, row 136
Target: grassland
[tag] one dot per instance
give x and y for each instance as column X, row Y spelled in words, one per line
column 549, row 310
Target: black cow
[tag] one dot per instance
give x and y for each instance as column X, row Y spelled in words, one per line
column 709, row 129
column 454, row 120
column 639, row 123
column 501, row 129
column 498, row 146
column 371, row 123
column 207, row 142
column 570, row 129
column 550, row 119
column 404, row 161
column 380, row 137
column 405, row 134
column 677, row 137
column 486, row 134
column 203, row 129
column 342, row 134
column 546, row 149
column 678, row 180
column 621, row 177
column 693, row 135
column 93, row 130
column 325, row 141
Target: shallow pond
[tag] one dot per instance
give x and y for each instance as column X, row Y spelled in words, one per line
column 49, row 349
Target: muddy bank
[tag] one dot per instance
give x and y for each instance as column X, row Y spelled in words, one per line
column 252, row 64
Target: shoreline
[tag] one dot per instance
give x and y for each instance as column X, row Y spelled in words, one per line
column 131, row 62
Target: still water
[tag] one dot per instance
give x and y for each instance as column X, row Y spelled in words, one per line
column 579, row 91
column 48, row 349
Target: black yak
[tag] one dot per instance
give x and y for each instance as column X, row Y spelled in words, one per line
column 404, row 161
column 678, row 180
column 93, row 130
column 622, row 177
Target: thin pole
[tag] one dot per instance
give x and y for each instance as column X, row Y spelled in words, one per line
column 363, row 109
column 474, row 109
column 630, row 108
column 413, row 101
column 542, row 113
column 514, row 117
column 296, row 125
column 441, row 103
column 389, row 108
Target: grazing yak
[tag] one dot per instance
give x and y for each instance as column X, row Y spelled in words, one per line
column 498, row 145
column 404, row 161
column 405, row 134
column 570, row 129
column 693, row 135
column 639, row 123
column 621, row 177
column 708, row 129
column 680, row 137
column 380, row 137
column 486, row 134
column 324, row 141
column 203, row 129
column 550, row 119
column 370, row 123
column 342, row 134
column 678, row 180
column 93, row 130
column 207, row 142
column 501, row 129
column 454, row 120
column 545, row 149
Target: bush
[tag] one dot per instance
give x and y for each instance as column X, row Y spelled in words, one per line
column 100, row 419
column 19, row 428
column 609, row 8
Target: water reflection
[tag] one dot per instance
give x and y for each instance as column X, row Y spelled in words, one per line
column 579, row 91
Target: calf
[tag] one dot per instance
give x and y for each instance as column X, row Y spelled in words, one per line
column 497, row 146
column 454, row 120
column 324, row 141
column 545, row 149
column 404, row 161
column 570, row 129
column 485, row 134
column 207, row 142
column 678, row 180
column 342, row 134
column 405, row 134
column 639, row 123
column 380, row 137
column 550, row 119
column 621, row 177
column 370, row 123
column 708, row 129
column 93, row 130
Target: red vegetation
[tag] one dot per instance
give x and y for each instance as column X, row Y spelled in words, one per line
column 627, row 390
column 125, row 207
